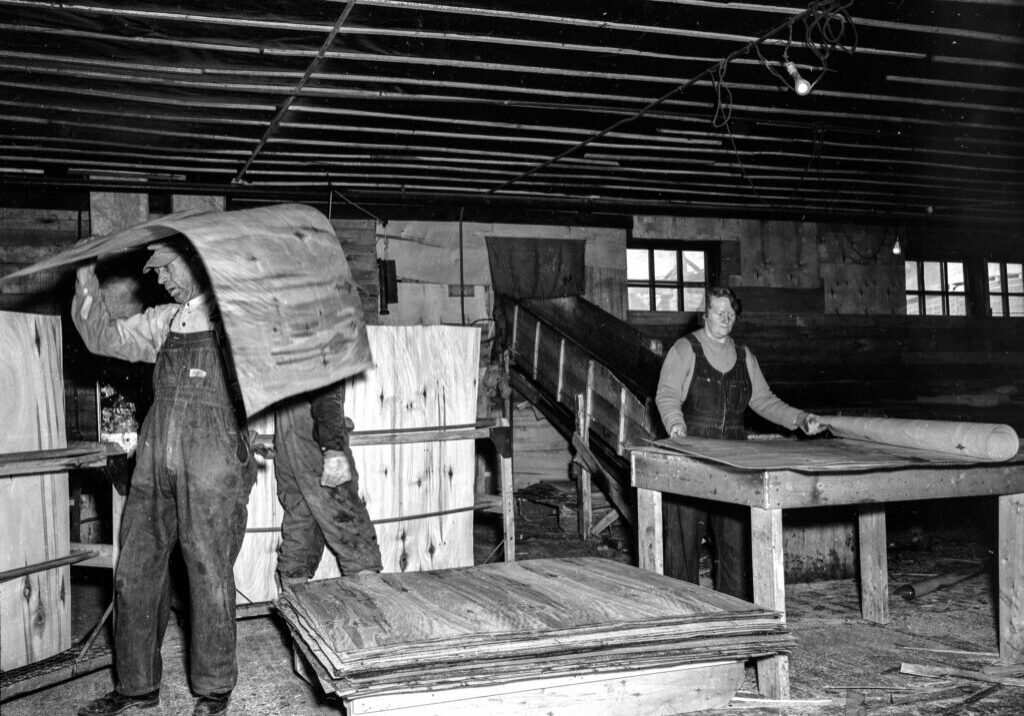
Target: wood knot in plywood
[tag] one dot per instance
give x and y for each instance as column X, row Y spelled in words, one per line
column 39, row 617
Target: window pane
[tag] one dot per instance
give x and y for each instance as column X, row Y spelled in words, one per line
column 693, row 267
column 957, row 306
column 911, row 269
column 995, row 278
column 665, row 266
column 933, row 305
column 932, row 276
column 693, row 299
column 1013, row 278
column 955, row 278
column 1017, row 306
column 639, row 298
column 636, row 265
column 996, row 304
column 666, row 299
column 913, row 305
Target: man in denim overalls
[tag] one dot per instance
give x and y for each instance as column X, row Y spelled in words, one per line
column 191, row 484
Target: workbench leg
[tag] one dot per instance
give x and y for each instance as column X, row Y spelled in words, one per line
column 1011, row 579
column 650, row 548
column 508, row 513
column 874, row 569
column 769, row 592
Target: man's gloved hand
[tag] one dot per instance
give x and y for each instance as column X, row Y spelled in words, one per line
column 678, row 431
column 337, row 470
column 810, row 423
column 262, row 447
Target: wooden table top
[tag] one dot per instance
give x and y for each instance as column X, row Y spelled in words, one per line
column 810, row 473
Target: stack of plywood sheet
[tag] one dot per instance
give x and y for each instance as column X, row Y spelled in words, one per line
column 561, row 636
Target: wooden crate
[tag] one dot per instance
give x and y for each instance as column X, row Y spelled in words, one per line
column 35, row 609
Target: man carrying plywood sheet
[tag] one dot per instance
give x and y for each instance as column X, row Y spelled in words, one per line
column 194, row 470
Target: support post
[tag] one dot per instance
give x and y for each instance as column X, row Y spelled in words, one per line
column 508, row 513
column 769, row 592
column 1011, row 579
column 650, row 547
column 584, row 501
column 874, row 570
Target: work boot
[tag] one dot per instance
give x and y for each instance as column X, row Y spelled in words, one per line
column 212, row 705
column 115, row 702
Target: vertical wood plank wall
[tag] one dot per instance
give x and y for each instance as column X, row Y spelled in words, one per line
column 420, row 495
column 358, row 241
column 27, row 236
column 35, row 610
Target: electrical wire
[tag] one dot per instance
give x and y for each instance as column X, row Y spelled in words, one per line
column 819, row 22
column 720, row 120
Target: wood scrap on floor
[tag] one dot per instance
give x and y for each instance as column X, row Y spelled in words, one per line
column 481, row 634
column 939, row 671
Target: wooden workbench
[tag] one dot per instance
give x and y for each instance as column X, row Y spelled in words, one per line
column 771, row 476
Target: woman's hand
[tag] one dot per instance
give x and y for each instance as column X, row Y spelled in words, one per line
column 810, row 423
column 678, row 431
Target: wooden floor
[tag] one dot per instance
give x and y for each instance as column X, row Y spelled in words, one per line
column 842, row 665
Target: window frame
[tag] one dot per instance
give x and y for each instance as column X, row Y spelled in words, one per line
column 943, row 293
column 1005, row 294
column 710, row 249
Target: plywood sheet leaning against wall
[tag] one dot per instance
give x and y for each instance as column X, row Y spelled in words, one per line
column 35, row 610
column 419, row 495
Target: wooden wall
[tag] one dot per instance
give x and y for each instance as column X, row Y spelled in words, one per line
column 358, row 241
column 823, row 310
column 30, row 235
column 431, row 267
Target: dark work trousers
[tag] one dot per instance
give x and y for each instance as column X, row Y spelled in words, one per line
column 713, row 408
column 315, row 515
column 191, row 485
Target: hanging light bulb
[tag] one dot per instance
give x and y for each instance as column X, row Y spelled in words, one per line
column 800, row 85
column 896, row 248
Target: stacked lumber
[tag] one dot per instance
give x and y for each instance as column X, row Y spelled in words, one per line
column 481, row 627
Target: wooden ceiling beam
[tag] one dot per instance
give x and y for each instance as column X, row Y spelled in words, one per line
column 306, row 76
column 242, row 21
column 186, row 164
column 327, row 92
column 651, row 146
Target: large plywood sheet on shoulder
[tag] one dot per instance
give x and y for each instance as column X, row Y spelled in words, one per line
column 285, row 291
column 35, row 610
